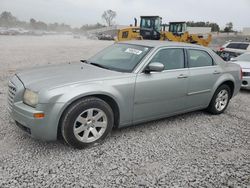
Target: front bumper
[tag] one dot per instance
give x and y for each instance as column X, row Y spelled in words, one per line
column 245, row 84
column 44, row 128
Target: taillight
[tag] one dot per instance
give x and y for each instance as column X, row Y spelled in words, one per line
column 221, row 49
column 241, row 74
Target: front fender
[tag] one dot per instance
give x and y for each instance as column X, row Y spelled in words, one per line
column 68, row 95
column 122, row 94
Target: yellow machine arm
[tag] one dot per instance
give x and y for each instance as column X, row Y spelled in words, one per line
column 133, row 33
column 200, row 40
column 171, row 37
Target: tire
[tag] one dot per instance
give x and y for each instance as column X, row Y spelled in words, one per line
column 87, row 122
column 220, row 100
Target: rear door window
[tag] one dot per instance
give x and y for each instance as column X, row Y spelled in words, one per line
column 199, row 58
column 243, row 46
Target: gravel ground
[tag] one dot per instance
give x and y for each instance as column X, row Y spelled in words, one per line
column 190, row 150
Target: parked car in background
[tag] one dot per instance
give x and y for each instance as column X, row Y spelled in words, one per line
column 125, row 84
column 103, row 36
column 244, row 61
column 233, row 49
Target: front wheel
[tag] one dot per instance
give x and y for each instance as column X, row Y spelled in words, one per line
column 86, row 122
column 220, row 100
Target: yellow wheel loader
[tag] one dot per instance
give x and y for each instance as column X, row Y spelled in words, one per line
column 151, row 28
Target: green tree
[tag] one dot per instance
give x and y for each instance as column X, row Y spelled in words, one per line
column 229, row 27
column 214, row 27
column 7, row 19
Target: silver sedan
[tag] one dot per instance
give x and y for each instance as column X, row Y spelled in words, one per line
column 125, row 84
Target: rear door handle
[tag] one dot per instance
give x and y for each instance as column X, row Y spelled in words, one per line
column 182, row 76
column 217, row 72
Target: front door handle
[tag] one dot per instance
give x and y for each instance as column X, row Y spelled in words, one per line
column 182, row 76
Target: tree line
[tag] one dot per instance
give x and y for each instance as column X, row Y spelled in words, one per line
column 8, row 20
column 214, row 26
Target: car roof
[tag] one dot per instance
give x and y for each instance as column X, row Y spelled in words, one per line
column 244, row 42
column 157, row 44
column 150, row 17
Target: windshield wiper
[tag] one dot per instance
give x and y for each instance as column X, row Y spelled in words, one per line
column 84, row 61
column 95, row 64
column 98, row 65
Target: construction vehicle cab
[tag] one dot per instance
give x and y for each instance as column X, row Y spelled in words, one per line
column 177, row 28
column 150, row 27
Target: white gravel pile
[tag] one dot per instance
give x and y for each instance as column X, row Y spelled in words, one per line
column 190, row 150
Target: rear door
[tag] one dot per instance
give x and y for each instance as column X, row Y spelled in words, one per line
column 203, row 73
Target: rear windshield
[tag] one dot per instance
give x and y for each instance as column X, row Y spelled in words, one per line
column 236, row 45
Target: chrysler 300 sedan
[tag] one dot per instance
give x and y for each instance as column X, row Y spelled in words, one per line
column 125, row 84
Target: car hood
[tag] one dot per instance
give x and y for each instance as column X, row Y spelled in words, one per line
column 60, row 75
column 243, row 64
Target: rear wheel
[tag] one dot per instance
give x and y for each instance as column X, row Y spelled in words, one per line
column 87, row 122
column 220, row 100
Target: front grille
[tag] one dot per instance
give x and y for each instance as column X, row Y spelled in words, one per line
column 246, row 73
column 11, row 94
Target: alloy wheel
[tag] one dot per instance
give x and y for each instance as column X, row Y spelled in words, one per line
column 221, row 100
column 90, row 125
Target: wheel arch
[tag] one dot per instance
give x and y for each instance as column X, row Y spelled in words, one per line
column 230, row 84
column 108, row 99
column 227, row 79
column 212, row 105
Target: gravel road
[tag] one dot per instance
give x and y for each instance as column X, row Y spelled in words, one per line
column 190, row 150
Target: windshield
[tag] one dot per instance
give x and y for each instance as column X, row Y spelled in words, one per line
column 243, row 57
column 120, row 57
column 151, row 23
column 177, row 27
column 147, row 23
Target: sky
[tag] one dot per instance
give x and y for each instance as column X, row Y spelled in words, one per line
column 79, row 12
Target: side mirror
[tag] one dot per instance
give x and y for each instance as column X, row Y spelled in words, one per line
column 155, row 66
column 233, row 59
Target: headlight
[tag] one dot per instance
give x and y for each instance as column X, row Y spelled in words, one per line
column 30, row 98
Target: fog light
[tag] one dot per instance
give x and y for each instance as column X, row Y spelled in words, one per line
column 244, row 83
column 39, row 115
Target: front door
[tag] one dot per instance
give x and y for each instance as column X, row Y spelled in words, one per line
column 159, row 94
